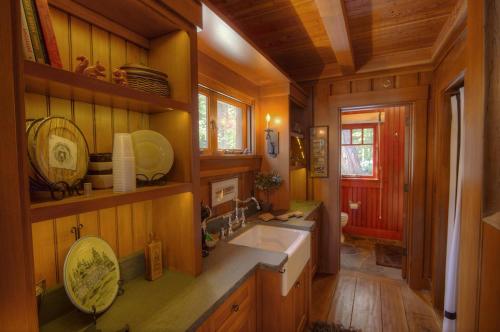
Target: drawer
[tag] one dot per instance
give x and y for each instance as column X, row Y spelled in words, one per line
column 237, row 313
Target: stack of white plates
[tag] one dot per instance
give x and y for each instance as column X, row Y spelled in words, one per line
column 123, row 163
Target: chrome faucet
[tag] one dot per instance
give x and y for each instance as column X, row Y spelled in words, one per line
column 240, row 212
column 229, row 216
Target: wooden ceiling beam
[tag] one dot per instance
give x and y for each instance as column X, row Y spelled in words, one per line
column 334, row 16
column 451, row 29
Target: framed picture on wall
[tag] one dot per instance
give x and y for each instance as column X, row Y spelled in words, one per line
column 319, row 151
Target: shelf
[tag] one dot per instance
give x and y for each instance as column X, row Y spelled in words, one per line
column 101, row 199
column 46, row 80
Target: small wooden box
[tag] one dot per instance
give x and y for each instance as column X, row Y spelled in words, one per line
column 153, row 257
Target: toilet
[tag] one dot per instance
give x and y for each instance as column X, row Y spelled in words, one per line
column 344, row 217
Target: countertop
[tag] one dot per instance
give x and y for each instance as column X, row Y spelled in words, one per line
column 302, row 223
column 178, row 302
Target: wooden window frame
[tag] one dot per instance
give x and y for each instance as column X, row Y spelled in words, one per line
column 213, row 98
column 363, row 126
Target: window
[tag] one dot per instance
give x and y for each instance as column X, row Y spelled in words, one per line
column 223, row 123
column 359, row 150
column 203, row 120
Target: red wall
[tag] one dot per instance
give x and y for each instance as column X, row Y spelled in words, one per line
column 372, row 218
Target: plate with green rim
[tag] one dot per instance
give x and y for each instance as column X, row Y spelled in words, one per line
column 91, row 275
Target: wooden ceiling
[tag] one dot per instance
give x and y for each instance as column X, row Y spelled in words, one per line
column 312, row 39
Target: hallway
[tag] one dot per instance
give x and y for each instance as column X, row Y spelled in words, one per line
column 370, row 303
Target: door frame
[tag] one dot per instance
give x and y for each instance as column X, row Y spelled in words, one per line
column 418, row 99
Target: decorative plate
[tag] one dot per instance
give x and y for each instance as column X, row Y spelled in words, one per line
column 91, row 274
column 153, row 154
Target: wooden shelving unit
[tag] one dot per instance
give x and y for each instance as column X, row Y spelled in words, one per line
column 101, row 199
column 37, row 234
column 46, row 80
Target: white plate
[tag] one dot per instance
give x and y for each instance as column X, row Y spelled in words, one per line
column 153, row 153
column 91, row 274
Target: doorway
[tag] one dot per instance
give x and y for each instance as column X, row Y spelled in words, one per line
column 374, row 169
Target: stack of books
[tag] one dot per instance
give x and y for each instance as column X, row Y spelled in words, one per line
column 39, row 40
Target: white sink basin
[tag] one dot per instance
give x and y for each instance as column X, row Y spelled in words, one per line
column 295, row 243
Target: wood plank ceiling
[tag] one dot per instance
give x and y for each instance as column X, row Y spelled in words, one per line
column 302, row 36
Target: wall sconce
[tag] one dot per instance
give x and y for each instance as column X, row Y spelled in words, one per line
column 272, row 139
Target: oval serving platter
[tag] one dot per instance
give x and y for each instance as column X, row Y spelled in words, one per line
column 91, row 275
column 153, row 153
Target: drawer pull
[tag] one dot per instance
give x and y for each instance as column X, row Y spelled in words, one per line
column 297, row 285
column 235, row 308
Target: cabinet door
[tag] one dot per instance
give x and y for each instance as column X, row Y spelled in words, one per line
column 237, row 313
column 300, row 301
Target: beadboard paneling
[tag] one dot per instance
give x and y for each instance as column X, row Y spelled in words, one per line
column 126, row 228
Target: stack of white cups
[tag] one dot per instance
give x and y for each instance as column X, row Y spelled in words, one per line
column 123, row 163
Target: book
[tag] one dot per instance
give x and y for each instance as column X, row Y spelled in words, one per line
column 34, row 30
column 27, row 46
column 48, row 33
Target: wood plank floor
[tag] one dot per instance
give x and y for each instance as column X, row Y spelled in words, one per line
column 370, row 303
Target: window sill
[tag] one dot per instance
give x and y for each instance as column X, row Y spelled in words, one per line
column 229, row 156
column 359, row 178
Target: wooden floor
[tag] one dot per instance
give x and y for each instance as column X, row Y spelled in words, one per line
column 370, row 303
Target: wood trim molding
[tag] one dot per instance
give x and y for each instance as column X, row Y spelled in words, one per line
column 417, row 98
column 452, row 27
column 472, row 201
column 334, row 16
column 17, row 301
column 373, row 98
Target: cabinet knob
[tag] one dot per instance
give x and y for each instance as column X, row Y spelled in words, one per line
column 235, row 308
column 297, row 285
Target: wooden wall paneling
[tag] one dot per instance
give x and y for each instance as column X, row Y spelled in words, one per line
column 80, row 36
column 406, row 80
column 90, row 223
column 416, row 211
column 470, row 229
column 60, row 107
column 44, row 252
column 490, row 271
column 278, row 107
column 108, row 227
column 125, row 230
column 84, row 119
column 101, row 49
column 298, row 184
column 64, row 239
column 178, row 67
column 489, row 304
column 176, row 127
column 118, row 51
column 103, row 129
column 492, row 157
column 449, row 71
column 35, row 106
column 327, row 189
column 341, row 87
column 120, row 120
column 174, row 227
column 142, row 223
column 60, row 23
column 364, row 85
column 17, row 303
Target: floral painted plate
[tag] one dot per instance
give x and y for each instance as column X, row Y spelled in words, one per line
column 91, row 274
